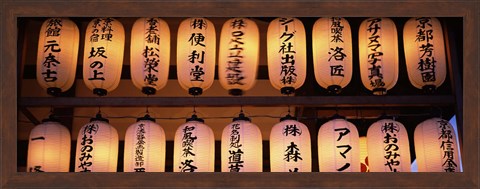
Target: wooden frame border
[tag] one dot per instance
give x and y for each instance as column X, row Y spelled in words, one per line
column 11, row 10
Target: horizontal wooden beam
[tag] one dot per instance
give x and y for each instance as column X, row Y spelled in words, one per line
column 265, row 101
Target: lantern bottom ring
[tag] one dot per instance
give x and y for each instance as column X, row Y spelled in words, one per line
column 287, row 90
column 235, row 92
column 54, row 91
column 195, row 91
column 148, row 90
column 429, row 89
column 334, row 89
column 100, row 92
column 379, row 91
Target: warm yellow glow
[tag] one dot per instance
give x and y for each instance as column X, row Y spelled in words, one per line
column 363, row 154
column 49, row 148
column 150, row 53
column 338, row 147
column 144, row 147
column 242, row 147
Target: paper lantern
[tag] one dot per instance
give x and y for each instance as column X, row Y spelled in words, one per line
column 49, row 148
column 363, row 154
column 436, row 146
column 97, row 147
column 196, row 43
column 286, row 48
column 290, row 148
column 388, row 147
column 103, row 55
column 338, row 147
column 57, row 55
column 150, row 54
column 242, row 146
column 378, row 53
column 332, row 53
column 238, row 55
column 194, row 147
column 425, row 53
column 144, row 147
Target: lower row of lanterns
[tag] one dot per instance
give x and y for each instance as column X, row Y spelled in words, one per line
column 339, row 147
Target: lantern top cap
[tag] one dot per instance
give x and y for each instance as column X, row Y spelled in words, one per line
column 384, row 116
column 146, row 118
column 195, row 118
column 288, row 117
column 337, row 116
column 51, row 118
column 241, row 117
column 99, row 117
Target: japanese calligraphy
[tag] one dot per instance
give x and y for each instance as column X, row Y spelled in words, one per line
column 424, row 39
column 235, row 150
column 375, row 53
column 292, row 153
column 343, row 147
column 234, row 72
column 447, row 146
column 391, row 148
column 188, row 141
column 287, row 50
column 87, row 147
column 337, row 51
column 139, row 147
column 197, row 45
column 102, row 31
column 51, row 50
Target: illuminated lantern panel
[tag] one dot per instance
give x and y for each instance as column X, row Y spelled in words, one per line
column 242, row 147
column 196, row 55
column 332, row 53
column 144, row 147
column 378, row 53
column 436, row 147
column 97, row 147
column 103, row 55
column 49, row 148
column 238, row 55
column 363, row 154
column 388, row 147
column 194, row 147
column 286, row 54
column 150, row 54
column 57, row 55
column 290, row 148
column 425, row 53
column 338, row 147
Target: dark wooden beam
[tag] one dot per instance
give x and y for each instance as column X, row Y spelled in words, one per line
column 29, row 115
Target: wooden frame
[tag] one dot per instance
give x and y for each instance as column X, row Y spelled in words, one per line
column 11, row 10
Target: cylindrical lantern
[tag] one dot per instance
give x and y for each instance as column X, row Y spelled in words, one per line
column 144, row 147
column 103, row 55
column 238, row 55
column 150, row 54
column 363, row 154
column 57, row 55
column 388, row 147
column 196, row 43
column 286, row 48
column 49, row 148
column 290, row 147
column 378, row 53
column 97, row 147
column 338, row 147
column 194, row 147
column 436, row 146
column 425, row 53
column 332, row 53
column 242, row 146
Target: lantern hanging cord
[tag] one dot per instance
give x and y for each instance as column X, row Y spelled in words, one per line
column 99, row 110
column 194, row 110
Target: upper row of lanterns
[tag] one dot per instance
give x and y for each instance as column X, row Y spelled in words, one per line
column 238, row 55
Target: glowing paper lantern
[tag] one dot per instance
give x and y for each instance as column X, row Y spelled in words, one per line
column 332, row 53
column 338, row 147
column 378, row 52
column 103, row 55
column 363, row 154
column 49, row 148
column 388, row 147
column 238, row 55
column 436, row 146
column 57, row 55
column 286, row 48
column 196, row 55
column 97, row 147
column 425, row 53
column 241, row 146
column 144, row 147
column 194, row 147
column 290, row 148
column 150, row 54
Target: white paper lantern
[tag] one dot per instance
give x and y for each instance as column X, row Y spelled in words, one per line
column 196, row 44
column 378, row 53
column 57, row 55
column 194, row 147
column 425, row 53
column 242, row 147
column 332, row 53
column 49, row 148
column 103, row 55
column 290, row 147
column 144, row 147
column 436, row 147
column 238, row 55
column 97, row 147
column 286, row 48
column 363, row 154
column 388, row 147
column 338, row 147
column 150, row 54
